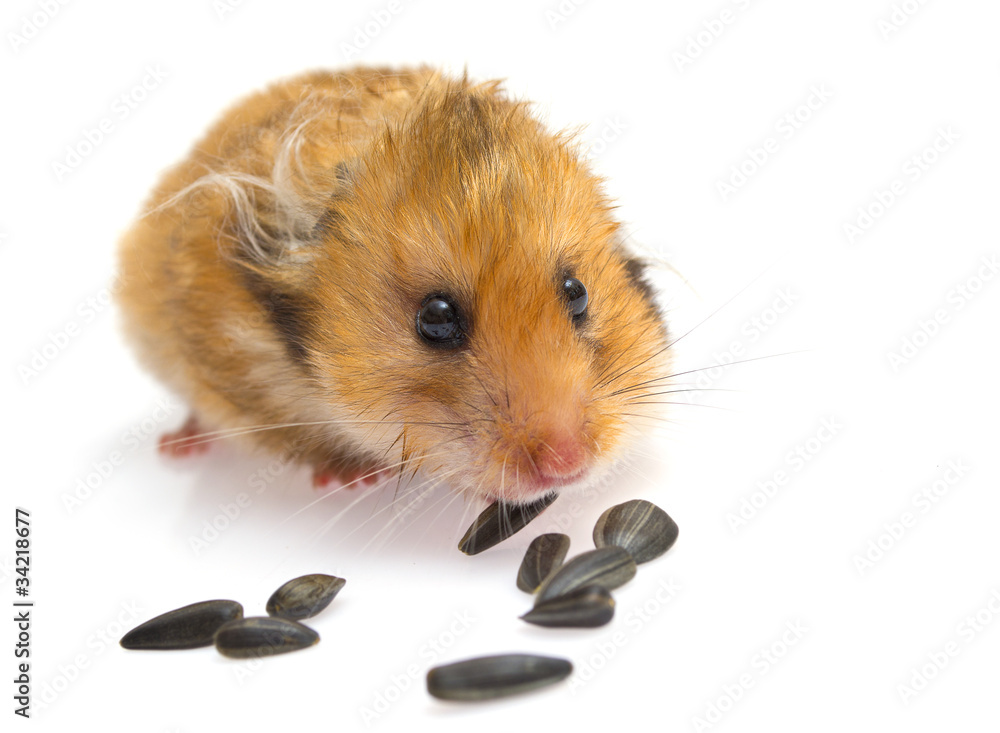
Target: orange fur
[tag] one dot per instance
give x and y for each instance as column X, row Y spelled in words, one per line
column 277, row 273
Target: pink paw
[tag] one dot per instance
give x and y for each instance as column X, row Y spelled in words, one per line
column 187, row 440
column 330, row 476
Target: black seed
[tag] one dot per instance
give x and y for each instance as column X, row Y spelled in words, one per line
column 498, row 522
column 638, row 526
column 189, row 627
column 304, row 597
column 263, row 636
column 609, row 567
column 545, row 553
column 484, row 678
column 582, row 608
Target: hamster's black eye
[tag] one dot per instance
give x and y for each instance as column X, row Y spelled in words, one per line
column 439, row 322
column 576, row 295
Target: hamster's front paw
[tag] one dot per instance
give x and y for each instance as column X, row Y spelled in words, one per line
column 336, row 474
column 188, row 440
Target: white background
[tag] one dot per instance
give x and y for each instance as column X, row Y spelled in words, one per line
column 687, row 642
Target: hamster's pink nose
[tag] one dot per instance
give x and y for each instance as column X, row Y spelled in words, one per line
column 560, row 457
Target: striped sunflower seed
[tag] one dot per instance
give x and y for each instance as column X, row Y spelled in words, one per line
column 263, row 636
column 545, row 553
column 499, row 521
column 608, row 567
column 485, row 678
column 304, row 597
column 586, row 607
column 639, row 526
column 188, row 627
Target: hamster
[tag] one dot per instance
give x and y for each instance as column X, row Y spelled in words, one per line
column 376, row 271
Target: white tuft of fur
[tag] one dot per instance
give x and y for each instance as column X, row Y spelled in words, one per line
column 271, row 217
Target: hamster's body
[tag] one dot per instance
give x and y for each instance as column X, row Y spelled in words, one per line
column 275, row 282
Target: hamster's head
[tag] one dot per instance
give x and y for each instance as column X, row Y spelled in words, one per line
column 474, row 311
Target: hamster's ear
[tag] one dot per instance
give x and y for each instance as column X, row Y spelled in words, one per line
column 342, row 171
column 328, row 222
column 650, row 274
column 636, row 270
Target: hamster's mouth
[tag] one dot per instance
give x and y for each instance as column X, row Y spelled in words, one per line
column 528, row 490
column 543, row 483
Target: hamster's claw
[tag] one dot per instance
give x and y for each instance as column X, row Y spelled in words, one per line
column 185, row 441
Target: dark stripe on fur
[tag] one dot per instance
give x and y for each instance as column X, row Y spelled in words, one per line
column 636, row 270
column 288, row 314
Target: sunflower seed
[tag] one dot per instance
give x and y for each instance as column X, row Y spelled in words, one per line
column 263, row 636
column 304, row 597
column 484, row 678
column 582, row 608
column 545, row 553
column 499, row 521
column 609, row 567
column 188, row 627
column 639, row 526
